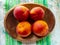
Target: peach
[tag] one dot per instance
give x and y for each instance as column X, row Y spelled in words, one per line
column 23, row 29
column 40, row 28
column 37, row 13
column 21, row 13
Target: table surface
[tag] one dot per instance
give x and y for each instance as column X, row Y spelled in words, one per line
column 51, row 39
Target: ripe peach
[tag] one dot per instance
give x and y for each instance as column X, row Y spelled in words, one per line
column 40, row 28
column 23, row 29
column 21, row 13
column 37, row 13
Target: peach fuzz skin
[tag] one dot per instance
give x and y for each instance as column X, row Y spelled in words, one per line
column 23, row 29
column 40, row 28
column 21, row 13
column 37, row 13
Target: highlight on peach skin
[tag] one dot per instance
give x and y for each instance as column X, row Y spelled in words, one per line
column 37, row 13
column 21, row 13
column 23, row 29
column 40, row 28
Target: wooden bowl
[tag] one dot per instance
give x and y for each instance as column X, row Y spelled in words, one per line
column 10, row 23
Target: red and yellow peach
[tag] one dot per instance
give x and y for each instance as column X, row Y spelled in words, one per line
column 40, row 28
column 23, row 29
column 37, row 13
column 21, row 13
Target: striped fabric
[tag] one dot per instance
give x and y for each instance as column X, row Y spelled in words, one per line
column 52, row 39
column 46, row 40
column 9, row 4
